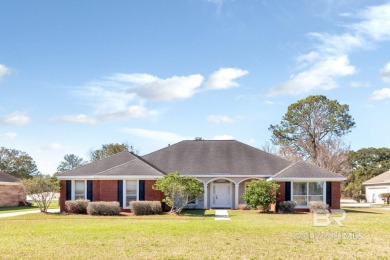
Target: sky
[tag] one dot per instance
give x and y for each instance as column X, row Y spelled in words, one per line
column 78, row 74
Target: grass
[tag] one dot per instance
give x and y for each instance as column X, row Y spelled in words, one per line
column 195, row 235
column 53, row 205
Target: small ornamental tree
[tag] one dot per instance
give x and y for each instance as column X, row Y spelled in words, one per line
column 41, row 189
column 179, row 190
column 261, row 193
column 385, row 197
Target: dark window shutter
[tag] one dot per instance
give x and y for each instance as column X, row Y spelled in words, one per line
column 120, row 193
column 329, row 193
column 287, row 191
column 141, row 192
column 89, row 190
column 68, row 190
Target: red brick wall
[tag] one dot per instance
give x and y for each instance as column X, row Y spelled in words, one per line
column 108, row 190
column 336, row 195
column 62, row 195
column 150, row 193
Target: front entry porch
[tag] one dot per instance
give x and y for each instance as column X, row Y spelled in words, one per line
column 224, row 193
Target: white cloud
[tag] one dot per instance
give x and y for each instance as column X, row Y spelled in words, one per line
column 135, row 78
column 373, row 27
column 385, row 73
column 375, row 24
column 81, row 118
column 220, row 119
column 223, row 137
column 132, row 112
column 15, row 118
column 52, row 147
column 173, row 88
column 4, row 70
column 321, row 75
column 360, row 84
column 157, row 136
column 381, row 94
column 8, row 136
column 225, row 78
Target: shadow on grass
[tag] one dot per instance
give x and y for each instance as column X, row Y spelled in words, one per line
column 361, row 211
column 197, row 213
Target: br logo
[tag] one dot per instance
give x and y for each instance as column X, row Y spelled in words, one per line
column 322, row 218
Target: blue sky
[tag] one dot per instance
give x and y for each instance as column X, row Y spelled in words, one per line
column 78, row 74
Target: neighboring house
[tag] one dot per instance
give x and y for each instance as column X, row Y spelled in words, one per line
column 376, row 186
column 11, row 192
column 223, row 167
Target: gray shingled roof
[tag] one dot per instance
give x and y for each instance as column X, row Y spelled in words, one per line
column 5, row 177
column 120, row 164
column 304, row 170
column 228, row 157
column 381, row 178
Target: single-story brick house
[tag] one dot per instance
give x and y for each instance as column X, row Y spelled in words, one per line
column 376, row 186
column 224, row 168
column 11, row 192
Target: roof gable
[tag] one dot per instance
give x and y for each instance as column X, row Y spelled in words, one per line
column 120, row 164
column 211, row 157
column 5, row 177
column 303, row 170
column 381, row 178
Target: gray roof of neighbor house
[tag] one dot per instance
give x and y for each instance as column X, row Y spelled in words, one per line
column 381, row 178
column 223, row 157
column 302, row 170
column 120, row 164
column 5, row 177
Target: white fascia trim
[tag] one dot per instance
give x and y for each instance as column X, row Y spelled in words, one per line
column 116, row 177
column 227, row 176
column 307, row 179
column 9, row 183
column 376, row 183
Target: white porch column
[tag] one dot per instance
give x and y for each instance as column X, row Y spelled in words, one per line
column 205, row 198
column 236, row 186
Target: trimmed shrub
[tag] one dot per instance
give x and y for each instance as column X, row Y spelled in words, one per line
column 145, row 207
column 76, row 206
column 287, row 206
column 318, row 206
column 103, row 208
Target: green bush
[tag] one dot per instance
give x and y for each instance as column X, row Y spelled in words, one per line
column 146, row 207
column 318, row 206
column 103, row 208
column 76, row 206
column 287, row 206
column 261, row 193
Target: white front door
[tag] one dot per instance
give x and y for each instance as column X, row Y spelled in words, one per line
column 221, row 195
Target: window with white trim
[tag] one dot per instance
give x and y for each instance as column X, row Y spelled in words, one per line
column 79, row 190
column 131, row 191
column 305, row 192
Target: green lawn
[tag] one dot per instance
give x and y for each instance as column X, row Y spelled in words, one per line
column 53, row 205
column 249, row 235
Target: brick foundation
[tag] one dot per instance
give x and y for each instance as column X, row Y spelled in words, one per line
column 10, row 195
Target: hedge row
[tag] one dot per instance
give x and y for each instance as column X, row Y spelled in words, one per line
column 146, row 207
column 101, row 208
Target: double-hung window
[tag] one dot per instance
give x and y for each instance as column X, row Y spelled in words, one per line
column 305, row 192
column 131, row 191
column 79, row 190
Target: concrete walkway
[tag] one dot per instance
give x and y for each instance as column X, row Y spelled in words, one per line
column 20, row 213
column 221, row 214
